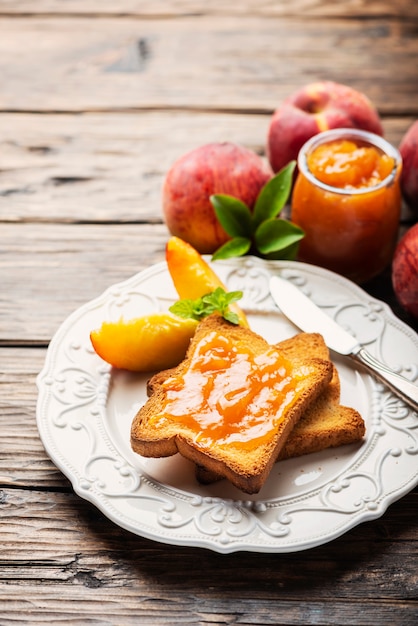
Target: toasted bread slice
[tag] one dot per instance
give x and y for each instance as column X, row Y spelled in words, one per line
column 230, row 405
column 325, row 423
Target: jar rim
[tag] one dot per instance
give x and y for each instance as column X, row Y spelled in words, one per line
column 366, row 138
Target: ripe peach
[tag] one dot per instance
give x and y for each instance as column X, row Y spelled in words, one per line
column 314, row 108
column 405, row 271
column 409, row 179
column 215, row 168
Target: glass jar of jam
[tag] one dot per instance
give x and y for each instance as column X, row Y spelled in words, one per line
column 347, row 199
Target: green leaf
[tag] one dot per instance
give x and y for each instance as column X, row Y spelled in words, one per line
column 238, row 246
column 233, row 215
column 185, row 308
column 260, row 231
column 218, row 300
column 277, row 234
column 287, row 254
column 232, row 317
column 274, row 195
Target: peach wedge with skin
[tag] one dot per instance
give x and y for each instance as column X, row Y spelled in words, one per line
column 149, row 343
column 192, row 276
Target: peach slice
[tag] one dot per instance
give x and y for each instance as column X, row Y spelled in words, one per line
column 192, row 276
column 149, row 343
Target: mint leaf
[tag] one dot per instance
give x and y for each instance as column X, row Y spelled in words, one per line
column 277, row 234
column 238, row 246
column 187, row 309
column 233, row 215
column 274, row 195
column 232, row 317
column 218, row 300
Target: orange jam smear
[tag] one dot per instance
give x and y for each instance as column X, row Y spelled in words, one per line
column 346, row 165
column 229, row 395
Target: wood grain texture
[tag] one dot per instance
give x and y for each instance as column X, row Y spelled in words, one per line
column 111, row 167
column 23, row 460
column 105, row 168
column 63, row 545
column 49, row 270
column 164, row 8
column 243, row 64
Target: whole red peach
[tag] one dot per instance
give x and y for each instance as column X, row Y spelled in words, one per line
column 409, row 179
column 215, row 168
column 314, row 108
column 405, row 271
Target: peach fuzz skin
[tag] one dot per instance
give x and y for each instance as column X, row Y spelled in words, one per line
column 409, row 179
column 216, row 168
column 314, row 108
column 405, row 271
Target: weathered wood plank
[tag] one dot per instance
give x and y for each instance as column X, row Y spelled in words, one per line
column 111, row 167
column 69, row 515
column 102, row 167
column 49, row 270
column 75, row 606
column 164, row 8
column 62, row 558
column 23, row 460
column 244, row 63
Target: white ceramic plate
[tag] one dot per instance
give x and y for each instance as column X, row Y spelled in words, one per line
column 85, row 411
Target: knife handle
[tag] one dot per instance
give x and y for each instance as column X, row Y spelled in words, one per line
column 400, row 385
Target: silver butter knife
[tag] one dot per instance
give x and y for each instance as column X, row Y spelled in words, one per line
column 300, row 310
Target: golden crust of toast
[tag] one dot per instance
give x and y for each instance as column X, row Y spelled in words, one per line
column 246, row 469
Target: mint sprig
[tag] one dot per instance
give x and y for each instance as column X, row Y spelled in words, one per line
column 216, row 301
column 261, row 231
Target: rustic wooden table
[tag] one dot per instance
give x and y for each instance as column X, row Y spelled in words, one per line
column 97, row 99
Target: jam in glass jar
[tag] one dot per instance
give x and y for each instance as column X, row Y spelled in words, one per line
column 347, row 199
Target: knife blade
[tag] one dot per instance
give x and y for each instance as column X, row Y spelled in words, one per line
column 307, row 316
